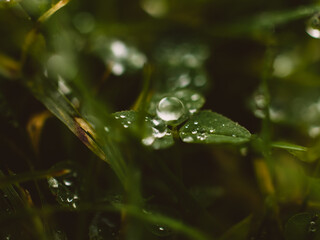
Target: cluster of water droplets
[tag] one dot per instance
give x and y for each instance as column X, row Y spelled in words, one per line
column 297, row 106
column 153, row 131
column 119, row 56
column 198, row 133
column 259, row 104
column 313, row 225
column 126, row 118
column 182, row 64
column 66, row 188
column 157, row 134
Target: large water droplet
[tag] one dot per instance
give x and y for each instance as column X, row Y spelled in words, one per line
column 170, row 109
column 313, row 26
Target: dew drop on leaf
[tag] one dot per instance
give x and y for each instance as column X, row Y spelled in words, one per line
column 313, row 26
column 159, row 229
column 170, row 109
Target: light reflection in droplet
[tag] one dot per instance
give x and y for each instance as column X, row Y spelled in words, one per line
column 170, row 109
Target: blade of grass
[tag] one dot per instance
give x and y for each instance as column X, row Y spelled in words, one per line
column 30, row 176
column 178, row 226
column 32, row 35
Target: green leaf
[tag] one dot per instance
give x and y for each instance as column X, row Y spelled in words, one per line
column 288, row 146
column 302, row 226
column 211, row 127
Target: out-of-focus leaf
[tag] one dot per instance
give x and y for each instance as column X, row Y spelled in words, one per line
column 211, row 127
column 9, row 67
column 35, row 126
column 288, row 146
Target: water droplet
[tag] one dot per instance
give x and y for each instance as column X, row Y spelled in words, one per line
column 157, row 134
column 195, row 97
column 63, row 87
column 187, row 139
column 170, row 109
column 118, row 69
column 314, row 131
column 259, row 104
column 160, row 229
column 212, row 130
column 119, row 49
column 194, row 132
column 8, row 237
column 106, row 129
column 313, row 26
column 312, row 227
column 196, row 123
column 67, row 182
column 148, row 140
column 53, row 183
column 283, row 65
column 159, row 128
column 184, row 80
column 200, row 80
column 125, row 126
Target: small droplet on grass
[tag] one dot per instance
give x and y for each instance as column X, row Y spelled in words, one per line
column 66, row 188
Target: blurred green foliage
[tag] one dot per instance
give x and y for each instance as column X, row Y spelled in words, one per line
column 129, row 79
